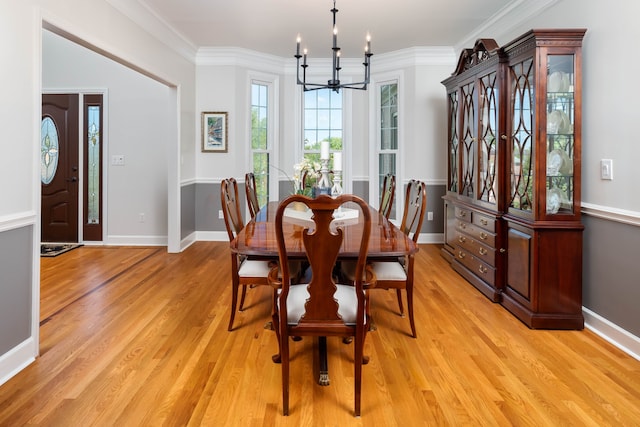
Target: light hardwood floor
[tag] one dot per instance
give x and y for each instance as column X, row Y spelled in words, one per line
column 138, row 337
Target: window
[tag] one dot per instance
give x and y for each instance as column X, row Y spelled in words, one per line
column 93, row 147
column 322, row 122
column 387, row 146
column 260, row 140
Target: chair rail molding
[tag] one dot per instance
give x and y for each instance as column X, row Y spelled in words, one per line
column 612, row 214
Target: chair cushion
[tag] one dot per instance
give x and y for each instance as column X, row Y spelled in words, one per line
column 254, row 268
column 345, row 295
column 389, row 271
column 257, row 268
column 384, row 270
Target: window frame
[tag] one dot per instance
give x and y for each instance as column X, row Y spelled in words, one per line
column 375, row 121
column 272, row 83
column 347, row 128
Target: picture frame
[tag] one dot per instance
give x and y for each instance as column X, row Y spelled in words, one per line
column 214, row 132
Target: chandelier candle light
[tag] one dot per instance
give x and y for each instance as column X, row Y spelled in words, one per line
column 333, row 84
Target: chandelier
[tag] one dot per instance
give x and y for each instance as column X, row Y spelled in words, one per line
column 333, row 84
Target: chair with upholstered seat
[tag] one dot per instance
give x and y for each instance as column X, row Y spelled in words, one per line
column 251, row 193
column 387, row 194
column 398, row 274
column 321, row 307
column 244, row 272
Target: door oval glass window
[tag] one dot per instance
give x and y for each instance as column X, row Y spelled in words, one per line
column 48, row 150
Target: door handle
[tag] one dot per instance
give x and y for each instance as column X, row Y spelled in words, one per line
column 72, row 179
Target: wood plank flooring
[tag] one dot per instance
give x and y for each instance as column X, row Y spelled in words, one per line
column 133, row 336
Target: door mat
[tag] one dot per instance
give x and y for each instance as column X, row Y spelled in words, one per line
column 55, row 249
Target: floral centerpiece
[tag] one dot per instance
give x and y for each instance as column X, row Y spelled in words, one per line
column 311, row 169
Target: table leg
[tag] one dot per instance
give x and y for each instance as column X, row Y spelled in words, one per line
column 323, row 378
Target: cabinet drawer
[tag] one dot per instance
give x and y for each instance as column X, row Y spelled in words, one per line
column 463, row 214
column 477, row 233
column 486, row 222
column 482, row 252
column 484, row 271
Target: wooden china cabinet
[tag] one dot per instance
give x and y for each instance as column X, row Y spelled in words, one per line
column 513, row 226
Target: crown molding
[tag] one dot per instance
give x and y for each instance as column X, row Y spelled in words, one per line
column 140, row 13
column 236, row 56
column 410, row 57
column 416, row 56
column 510, row 17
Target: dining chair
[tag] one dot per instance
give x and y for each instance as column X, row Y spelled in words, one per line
column 321, row 307
column 244, row 272
column 251, row 193
column 387, row 195
column 398, row 273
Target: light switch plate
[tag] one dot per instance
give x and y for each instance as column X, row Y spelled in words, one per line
column 606, row 169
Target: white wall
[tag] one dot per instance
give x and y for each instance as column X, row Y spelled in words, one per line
column 136, row 125
column 224, row 87
column 217, row 90
column 427, row 123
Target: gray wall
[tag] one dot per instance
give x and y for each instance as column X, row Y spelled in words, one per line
column 15, row 271
column 187, row 210
column 208, row 206
column 611, row 271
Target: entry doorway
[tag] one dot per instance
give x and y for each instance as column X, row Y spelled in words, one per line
column 59, row 166
column 63, row 180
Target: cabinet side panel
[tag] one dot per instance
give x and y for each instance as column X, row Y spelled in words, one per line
column 450, row 229
column 518, row 265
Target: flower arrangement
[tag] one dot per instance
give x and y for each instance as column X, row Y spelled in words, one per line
column 312, row 170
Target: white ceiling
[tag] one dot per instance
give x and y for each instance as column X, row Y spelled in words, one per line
column 271, row 26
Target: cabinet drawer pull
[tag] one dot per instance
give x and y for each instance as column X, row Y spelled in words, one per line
column 463, row 213
column 482, row 269
column 483, row 236
column 502, row 250
column 461, row 255
column 462, row 239
column 484, row 221
column 482, row 251
column 463, row 225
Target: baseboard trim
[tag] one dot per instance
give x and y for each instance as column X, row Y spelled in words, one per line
column 114, row 240
column 16, row 359
column 188, row 241
column 431, row 238
column 612, row 333
column 212, row 236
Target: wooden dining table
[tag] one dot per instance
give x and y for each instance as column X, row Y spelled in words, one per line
column 258, row 240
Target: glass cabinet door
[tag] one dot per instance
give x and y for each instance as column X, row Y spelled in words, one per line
column 468, row 140
column 522, row 110
column 487, row 142
column 560, row 110
column 453, row 142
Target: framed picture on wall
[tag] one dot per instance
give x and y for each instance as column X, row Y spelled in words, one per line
column 214, row 132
